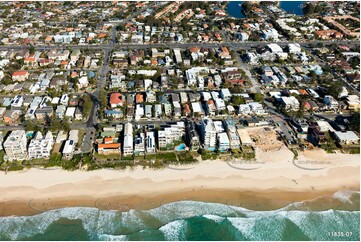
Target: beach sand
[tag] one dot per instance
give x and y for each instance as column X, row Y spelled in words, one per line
column 261, row 185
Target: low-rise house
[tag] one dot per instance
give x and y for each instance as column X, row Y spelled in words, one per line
column 78, row 114
column 60, row 111
column 20, row 76
column 109, row 148
column 158, row 110
column 244, row 137
column 43, row 113
column 330, row 102
column 148, row 111
column 116, row 100
column 353, row 102
column 68, row 150
column 226, row 94
column 290, row 103
column 116, row 113
column 197, row 109
column 346, row 138
column 70, row 111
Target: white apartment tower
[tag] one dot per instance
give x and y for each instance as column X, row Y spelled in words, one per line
column 128, row 139
column 209, row 134
column 15, row 145
column 40, row 146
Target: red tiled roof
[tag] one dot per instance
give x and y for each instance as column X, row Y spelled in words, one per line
column 20, row 73
column 109, row 146
column 115, row 98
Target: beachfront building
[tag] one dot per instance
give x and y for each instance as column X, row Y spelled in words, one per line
column 40, row 146
column 192, row 136
column 108, row 148
column 139, row 144
column 68, row 150
column 128, row 139
column 170, row 134
column 346, row 138
column 246, row 140
column 15, row 145
column 223, row 142
column 234, row 142
column 150, row 142
column 209, row 134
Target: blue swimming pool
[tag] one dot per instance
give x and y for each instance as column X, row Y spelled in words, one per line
column 180, row 147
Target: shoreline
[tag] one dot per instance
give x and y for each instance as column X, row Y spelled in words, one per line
column 265, row 185
column 257, row 201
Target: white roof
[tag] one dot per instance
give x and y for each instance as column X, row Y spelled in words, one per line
column 226, row 92
column 69, row 147
column 244, row 136
column 196, row 107
column 223, row 137
column 73, row 135
column 70, row 111
column 347, row 136
column 324, row 126
column 275, row 48
column 55, row 100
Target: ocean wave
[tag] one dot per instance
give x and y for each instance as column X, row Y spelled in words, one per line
column 174, row 230
column 185, row 220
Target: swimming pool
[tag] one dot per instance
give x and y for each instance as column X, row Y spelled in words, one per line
column 180, row 147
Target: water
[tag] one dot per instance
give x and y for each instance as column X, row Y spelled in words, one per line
column 186, row 220
column 180, row 147
column 295, row 7
column 235, row 10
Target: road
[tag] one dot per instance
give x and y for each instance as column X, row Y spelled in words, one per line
column 233, row 45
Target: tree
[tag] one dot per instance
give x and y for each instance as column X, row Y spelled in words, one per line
column 87, row 105
column 308, row 9
column 237, row 100
column 355, row 122
column 258, row 97
column 54, row 124
column 103, row 99
column 31, row 50
column 65, row 124
column 355, row 62
column 335, row 89
column 31, row 126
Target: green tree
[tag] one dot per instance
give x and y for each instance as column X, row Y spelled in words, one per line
column 308, row 9
column 54, row 124
column 355, row 122
column 31, row 49
column 237, row 100
column 65, row 125
column 87, row 105
column 258, row 97
column 335, row 89
column 103, row 99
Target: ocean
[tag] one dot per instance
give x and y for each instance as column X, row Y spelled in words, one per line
column 189, row 220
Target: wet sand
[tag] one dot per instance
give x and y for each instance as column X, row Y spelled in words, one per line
column 256, row 186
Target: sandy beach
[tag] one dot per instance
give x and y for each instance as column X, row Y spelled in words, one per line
column 262, row 185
